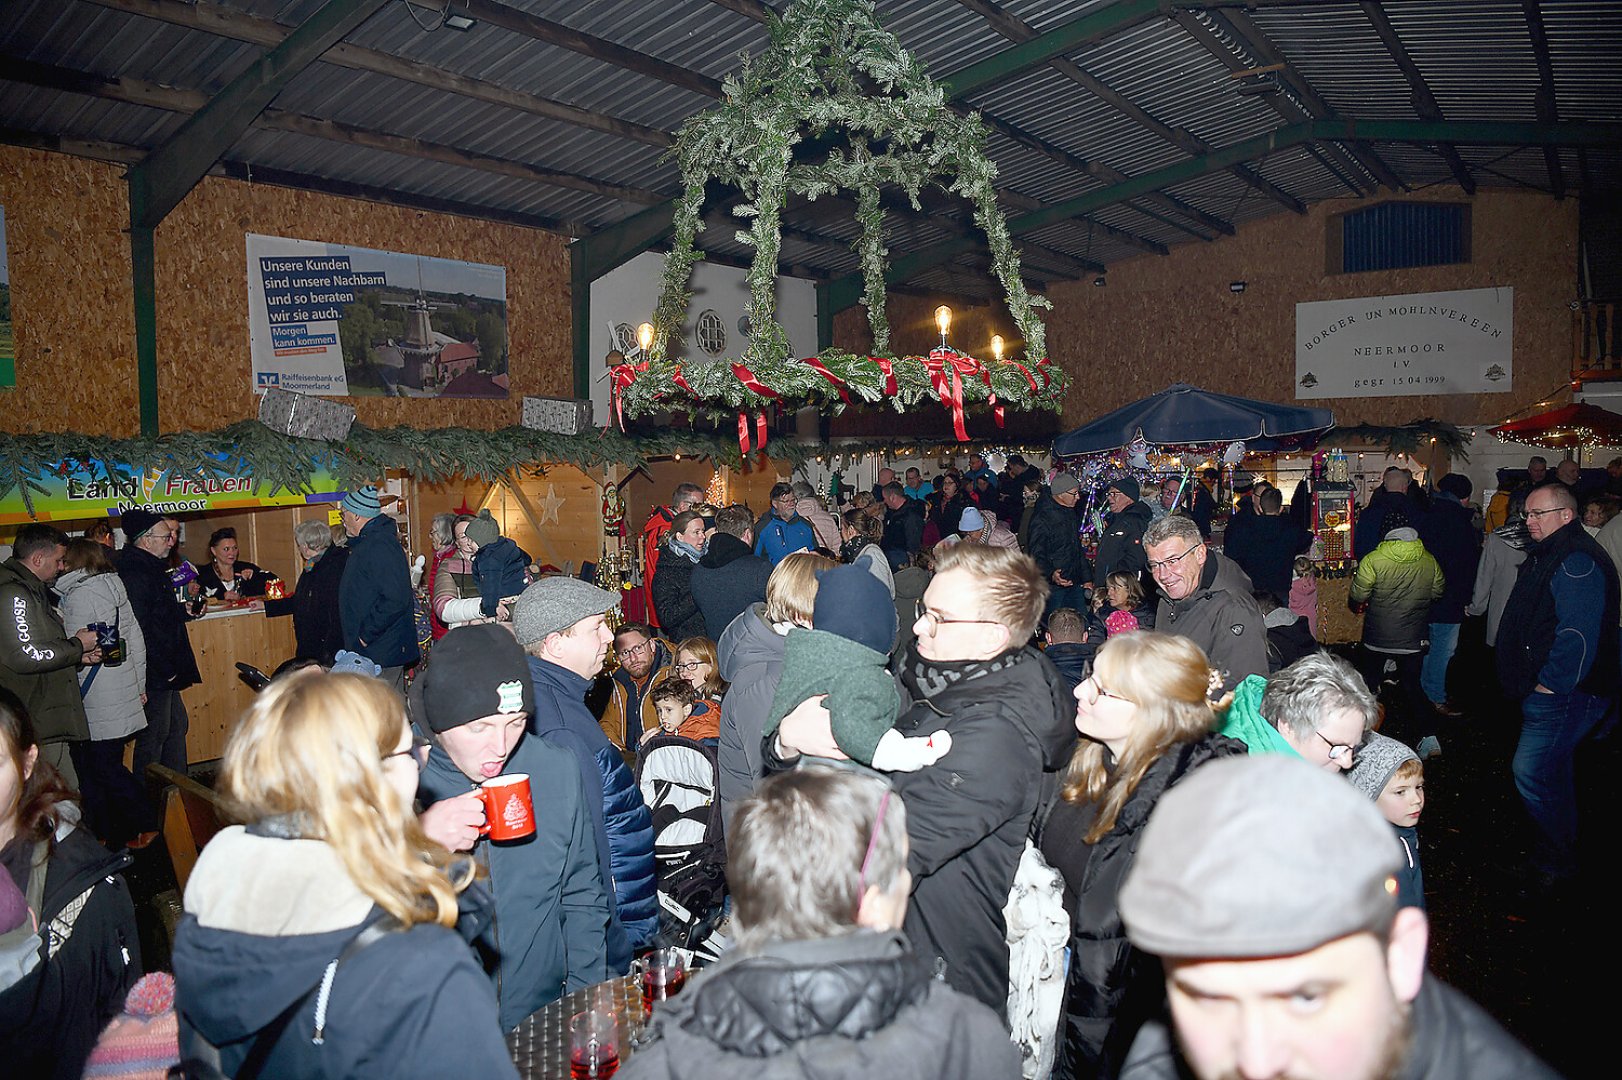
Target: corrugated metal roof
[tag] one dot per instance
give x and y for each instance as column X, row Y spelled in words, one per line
column 1477, row 59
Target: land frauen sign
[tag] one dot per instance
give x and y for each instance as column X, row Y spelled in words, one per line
column 1395, row 346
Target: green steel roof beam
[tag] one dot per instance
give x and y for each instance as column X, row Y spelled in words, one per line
column 165, row 176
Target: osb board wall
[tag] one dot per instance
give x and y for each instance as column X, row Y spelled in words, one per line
column 70, row 273
column 1164, row 319
column 70, row 295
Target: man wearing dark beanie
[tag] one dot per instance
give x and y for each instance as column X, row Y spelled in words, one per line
column 551, row 906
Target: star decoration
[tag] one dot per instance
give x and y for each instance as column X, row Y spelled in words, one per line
column 550, row 505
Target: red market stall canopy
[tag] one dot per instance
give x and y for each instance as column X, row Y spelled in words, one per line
column 1569, row 427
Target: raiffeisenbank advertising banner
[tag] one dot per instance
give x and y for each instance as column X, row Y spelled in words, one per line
column 1393, row 346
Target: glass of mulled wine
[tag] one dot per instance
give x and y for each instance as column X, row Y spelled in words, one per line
column 663, row 973
column 594, row 1050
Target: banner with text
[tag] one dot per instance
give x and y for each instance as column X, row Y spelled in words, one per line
column 1396, row 346
column 336, row 320
column 78, row 491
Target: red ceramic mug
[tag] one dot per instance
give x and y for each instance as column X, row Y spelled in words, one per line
column 509, row 809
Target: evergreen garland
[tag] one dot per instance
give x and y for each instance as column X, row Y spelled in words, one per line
column 829, row 68
column 1415, row 437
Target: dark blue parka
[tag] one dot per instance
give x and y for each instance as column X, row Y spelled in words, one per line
column 375, row 599
column 623, row 826
column 551, row 907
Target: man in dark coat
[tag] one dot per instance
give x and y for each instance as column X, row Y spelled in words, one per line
column 143, row 565
column 903, row 526
column 1264, row 886
column 552, row 907
column 1205, row 598
column 1120, row 547
column 1202, row 502
column 815, row 986
column 1450, row 535
column 729, row 577
column 1056, row 545
column 1392, row 494
column 1071, row 640
column 1558, row 656
column 968, row 815
column 39, row 658
column 374, row 598
column 1266, row 547
column 620, row 820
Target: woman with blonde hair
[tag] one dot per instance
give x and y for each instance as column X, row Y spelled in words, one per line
column 1146, row 715
column 317, row 939
column 696, row 662
column 751, row 660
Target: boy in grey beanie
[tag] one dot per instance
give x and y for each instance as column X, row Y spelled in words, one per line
column 1393, row 778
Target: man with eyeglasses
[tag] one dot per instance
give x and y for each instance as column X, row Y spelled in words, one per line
column 143, row 565
column 1317, row 709
column 972, row 672
column 1206, row 598
column 644, row 660
column 1558, row 657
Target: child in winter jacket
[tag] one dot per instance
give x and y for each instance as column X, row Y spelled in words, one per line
column 1391, row 774
column 843, row 655
column 1304, row 593
column 682, row 712
column 500, row 566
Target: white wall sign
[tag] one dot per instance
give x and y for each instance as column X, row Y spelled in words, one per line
column 1395, row 346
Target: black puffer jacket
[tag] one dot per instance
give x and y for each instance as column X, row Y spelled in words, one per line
column 1056, row 542
column 857, row 1006
column 50, row 1017
column 673, row 597
column 1113, row 988
column 1120, row 548
column 969, row 813
column 1453, row 1039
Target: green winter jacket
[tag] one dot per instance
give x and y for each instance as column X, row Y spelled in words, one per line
column 1399, row 580
column 39, row 660
column 1244, row 720
column 862, row 699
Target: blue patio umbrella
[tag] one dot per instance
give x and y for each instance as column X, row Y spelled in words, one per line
column 1183, row 414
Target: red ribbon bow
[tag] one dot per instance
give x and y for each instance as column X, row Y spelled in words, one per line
column 749, row 381
column 891, row 387
column 621, row 377
column 942, row 363
column 822, row 369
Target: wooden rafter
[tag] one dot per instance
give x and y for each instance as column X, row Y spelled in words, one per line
column 1424, row 101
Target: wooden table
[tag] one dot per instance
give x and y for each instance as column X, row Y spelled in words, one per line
column 219, row 640
column 540, row 1045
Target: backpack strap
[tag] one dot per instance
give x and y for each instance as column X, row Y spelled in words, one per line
column 204, row 1063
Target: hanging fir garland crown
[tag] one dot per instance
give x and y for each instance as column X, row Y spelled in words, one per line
column 864, row 114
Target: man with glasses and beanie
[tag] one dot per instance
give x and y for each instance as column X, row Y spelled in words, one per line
column 1317, row 709
column 822, row 981
column 1206, row 598
column 1558, row 657
column 551, row 906
column 972, row 672
column 143, row 566
column 1268, row 891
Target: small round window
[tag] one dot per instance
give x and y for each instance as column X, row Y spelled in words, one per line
column 625, row 338
column 712, row 333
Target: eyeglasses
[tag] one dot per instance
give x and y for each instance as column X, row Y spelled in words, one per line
column 1166, row 564
column 1551, row 510
column 872, row 845
column 1098, row 691
column 936, row 620
column 691, row 665
column 1340, row 752
column 417, row 751
column 632, row 650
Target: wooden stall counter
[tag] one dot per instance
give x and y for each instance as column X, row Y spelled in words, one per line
column 220, row 640
column 1338, row 624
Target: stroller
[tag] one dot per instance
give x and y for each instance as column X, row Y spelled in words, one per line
column 680, row 781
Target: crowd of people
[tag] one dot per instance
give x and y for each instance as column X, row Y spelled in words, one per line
column 996, row 801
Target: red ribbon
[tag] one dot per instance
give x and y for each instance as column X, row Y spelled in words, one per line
column 749, row 381
column 891, row 387
column 941, row 363
column 743, row 432
column 681, row 380
column 821, row 369
column 622, row 376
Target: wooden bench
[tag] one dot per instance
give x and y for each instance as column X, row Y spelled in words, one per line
column 192, row 814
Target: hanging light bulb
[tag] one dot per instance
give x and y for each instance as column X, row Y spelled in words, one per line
column 943, row 319
column 644, row 336
column 996, row 346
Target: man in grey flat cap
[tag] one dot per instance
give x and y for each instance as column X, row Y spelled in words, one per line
column 1267, row 888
